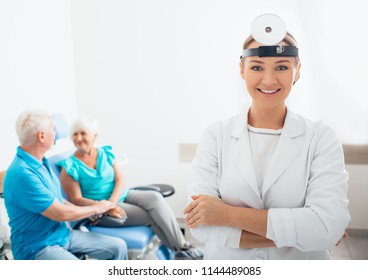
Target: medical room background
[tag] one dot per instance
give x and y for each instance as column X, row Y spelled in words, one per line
column 155, row 73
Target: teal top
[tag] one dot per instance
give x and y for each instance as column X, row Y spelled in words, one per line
column 96, row 184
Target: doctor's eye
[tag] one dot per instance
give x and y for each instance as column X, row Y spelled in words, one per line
column 282, row 68
column 256, row 68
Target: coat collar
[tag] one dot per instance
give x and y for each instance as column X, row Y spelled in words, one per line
column 287, row 149
column 292, row 126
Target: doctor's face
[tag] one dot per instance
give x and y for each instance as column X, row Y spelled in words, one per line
column 269, row 79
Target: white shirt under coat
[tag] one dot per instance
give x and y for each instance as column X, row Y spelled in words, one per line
column 304, row 189
column 263, row 143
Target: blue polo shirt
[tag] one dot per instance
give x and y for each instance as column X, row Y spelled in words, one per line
column 30, row 187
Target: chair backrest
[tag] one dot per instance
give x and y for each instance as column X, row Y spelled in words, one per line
column 62, row 131
column 56, row 158
column 61, row 126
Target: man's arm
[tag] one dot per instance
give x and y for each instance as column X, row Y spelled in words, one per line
column 69, row 212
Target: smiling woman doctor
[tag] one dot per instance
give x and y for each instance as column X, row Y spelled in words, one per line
column 268, row 184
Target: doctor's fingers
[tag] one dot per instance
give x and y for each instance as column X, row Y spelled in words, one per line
column 192, row 214
column 197, row 201
column 196, row 221
column 193, row 221
column 190, row 207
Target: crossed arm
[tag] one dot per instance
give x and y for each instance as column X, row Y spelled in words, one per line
column 211, row 211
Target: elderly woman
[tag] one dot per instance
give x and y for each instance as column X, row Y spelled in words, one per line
column 92, row 174
column 268, row 183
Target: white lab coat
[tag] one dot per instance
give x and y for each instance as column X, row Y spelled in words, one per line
column 305, row 189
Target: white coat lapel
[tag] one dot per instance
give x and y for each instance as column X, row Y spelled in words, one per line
column 287, row 149
column 241, row 153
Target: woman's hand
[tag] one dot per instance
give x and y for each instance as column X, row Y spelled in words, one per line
column 101, row 207
column 206, row 210
column 117, row 212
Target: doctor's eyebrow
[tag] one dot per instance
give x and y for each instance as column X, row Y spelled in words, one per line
column 256, row 61
column 283, row 61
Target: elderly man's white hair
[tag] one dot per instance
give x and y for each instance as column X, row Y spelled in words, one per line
column 29, row 123
column 88, row 124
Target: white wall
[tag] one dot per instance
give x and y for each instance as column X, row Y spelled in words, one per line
column 155, row 73
column 36, row 64
column 358, row 196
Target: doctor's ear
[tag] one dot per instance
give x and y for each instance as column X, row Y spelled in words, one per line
column 241, row 67
column 296, row 80
column 297, row 75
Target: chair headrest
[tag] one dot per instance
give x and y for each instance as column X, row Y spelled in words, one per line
column 61, row 126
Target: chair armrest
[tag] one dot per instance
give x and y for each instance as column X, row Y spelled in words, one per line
column 165, row 190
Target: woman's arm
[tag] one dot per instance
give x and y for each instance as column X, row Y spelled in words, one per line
column 117, row 212
column 73, row 191
column 250, row 240
column 211, row 211
column 119, row 184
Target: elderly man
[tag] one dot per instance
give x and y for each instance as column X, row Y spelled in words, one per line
column 36, row 209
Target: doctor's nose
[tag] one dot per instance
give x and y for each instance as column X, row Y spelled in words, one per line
column 269, row 78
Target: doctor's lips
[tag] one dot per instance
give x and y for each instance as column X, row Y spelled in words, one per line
column 268, row 91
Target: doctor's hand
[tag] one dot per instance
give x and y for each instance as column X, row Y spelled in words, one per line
column 206, row 210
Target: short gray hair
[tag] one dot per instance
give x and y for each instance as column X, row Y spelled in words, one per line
column 29, row 123
column 88, row 124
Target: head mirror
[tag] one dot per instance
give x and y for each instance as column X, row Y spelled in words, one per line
column 268, row 30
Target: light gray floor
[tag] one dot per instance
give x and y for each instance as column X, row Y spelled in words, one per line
column 351, row 248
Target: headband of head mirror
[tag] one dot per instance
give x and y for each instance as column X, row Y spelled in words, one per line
column 268, row 30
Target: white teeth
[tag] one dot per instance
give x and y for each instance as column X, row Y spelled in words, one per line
column 268, row 91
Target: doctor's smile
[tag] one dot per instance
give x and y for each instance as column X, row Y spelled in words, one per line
column 268, row 91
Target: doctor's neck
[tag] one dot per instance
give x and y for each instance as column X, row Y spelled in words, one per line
column 263, row 117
